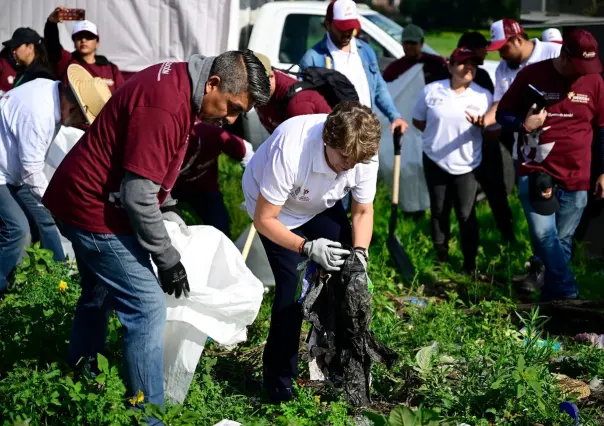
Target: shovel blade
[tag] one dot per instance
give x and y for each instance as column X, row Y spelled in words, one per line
column 399, row 257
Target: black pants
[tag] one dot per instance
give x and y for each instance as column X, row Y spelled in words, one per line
column 280, row 357
column 492, row 177
column 447, row 191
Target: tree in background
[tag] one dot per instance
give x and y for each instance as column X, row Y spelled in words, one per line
column 459, row 14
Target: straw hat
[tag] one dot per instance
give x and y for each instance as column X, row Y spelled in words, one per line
column 265, row 61
column 91, row 92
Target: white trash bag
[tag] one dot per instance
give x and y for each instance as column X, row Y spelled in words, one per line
column 225, row 298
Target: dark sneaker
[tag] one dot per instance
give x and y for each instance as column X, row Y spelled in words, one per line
column 279, row 395
column 535, row 277
column 442, row 253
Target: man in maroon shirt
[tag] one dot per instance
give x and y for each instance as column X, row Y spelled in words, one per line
column 277, row 110
column 435, row 67
column 554, row 150
column 197, row 182
column 107, row 193
column 86, row 41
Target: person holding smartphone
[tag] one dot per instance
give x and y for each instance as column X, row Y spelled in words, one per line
column 554, row 150
column 86, row 41
column 452, row 148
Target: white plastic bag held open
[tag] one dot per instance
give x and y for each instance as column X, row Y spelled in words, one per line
column 225, row 298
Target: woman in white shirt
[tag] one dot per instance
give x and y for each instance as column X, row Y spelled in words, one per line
column 452, row 147
column 293, row 186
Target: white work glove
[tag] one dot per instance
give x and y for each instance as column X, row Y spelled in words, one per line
column 172, row 216
column 249, row 153
column 326, row 253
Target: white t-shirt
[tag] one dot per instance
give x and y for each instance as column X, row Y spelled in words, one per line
column 449, row 139
column 30, row 117
column 504, row 75
column 290, row 170
column 351, row 65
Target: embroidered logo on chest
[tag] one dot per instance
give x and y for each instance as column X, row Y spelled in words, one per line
column 432, row 102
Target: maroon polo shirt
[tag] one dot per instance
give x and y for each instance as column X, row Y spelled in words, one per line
column 199, row 172
column 7, row 75
column 574, row 108
column 277, row 110
column 144, row 129
column 434, row 67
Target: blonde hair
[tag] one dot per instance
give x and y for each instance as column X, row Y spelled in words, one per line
column 354, row 130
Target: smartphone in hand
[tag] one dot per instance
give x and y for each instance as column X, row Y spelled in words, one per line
column 72, row 15
column 537, row 97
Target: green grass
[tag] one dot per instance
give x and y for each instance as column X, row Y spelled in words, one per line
column 444, row 42
column 479, row 371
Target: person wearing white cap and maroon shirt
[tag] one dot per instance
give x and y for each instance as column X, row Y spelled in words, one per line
column 292, row 187
column 110, row 196
column 555, row 149
column 341, row 50
column 552, row 35
column 30, row 116
column 453, row 151
column 85, row 38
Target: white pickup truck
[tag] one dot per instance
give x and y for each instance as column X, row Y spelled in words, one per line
column 139, row 33
column 284, row 31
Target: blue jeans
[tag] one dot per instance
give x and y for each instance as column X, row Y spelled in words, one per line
column 552, row 239
column 116, row 273
column 20, row 208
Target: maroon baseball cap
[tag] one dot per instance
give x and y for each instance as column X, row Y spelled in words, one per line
column 343, row 14
column 463, row 54
column 582, row 48
column 501, row 31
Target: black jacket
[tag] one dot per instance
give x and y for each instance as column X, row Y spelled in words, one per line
column 33, row 71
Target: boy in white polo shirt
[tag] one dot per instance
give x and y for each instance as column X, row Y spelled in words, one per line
column 292, row 189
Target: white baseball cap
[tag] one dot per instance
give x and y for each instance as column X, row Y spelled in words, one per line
column 344, row 15
column 81, row 26
column 552, row 35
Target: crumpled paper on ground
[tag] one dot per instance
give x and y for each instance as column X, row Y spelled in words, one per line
column 225, row 298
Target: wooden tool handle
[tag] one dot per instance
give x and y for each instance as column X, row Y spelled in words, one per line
column 248, row 242
column 396, row 178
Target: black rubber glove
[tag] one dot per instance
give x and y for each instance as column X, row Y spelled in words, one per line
column 174, row 280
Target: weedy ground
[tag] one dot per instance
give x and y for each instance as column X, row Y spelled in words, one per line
column 462, row 358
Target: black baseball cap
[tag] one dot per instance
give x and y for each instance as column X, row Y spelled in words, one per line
column 23, row 35
column 473, row 40
column 542, row 192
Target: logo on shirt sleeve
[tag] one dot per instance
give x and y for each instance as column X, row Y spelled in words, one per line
column 578, row 98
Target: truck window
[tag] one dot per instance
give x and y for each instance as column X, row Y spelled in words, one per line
column 300, row 33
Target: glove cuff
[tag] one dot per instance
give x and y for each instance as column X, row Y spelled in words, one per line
column 171, row 208
column 306, row 247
